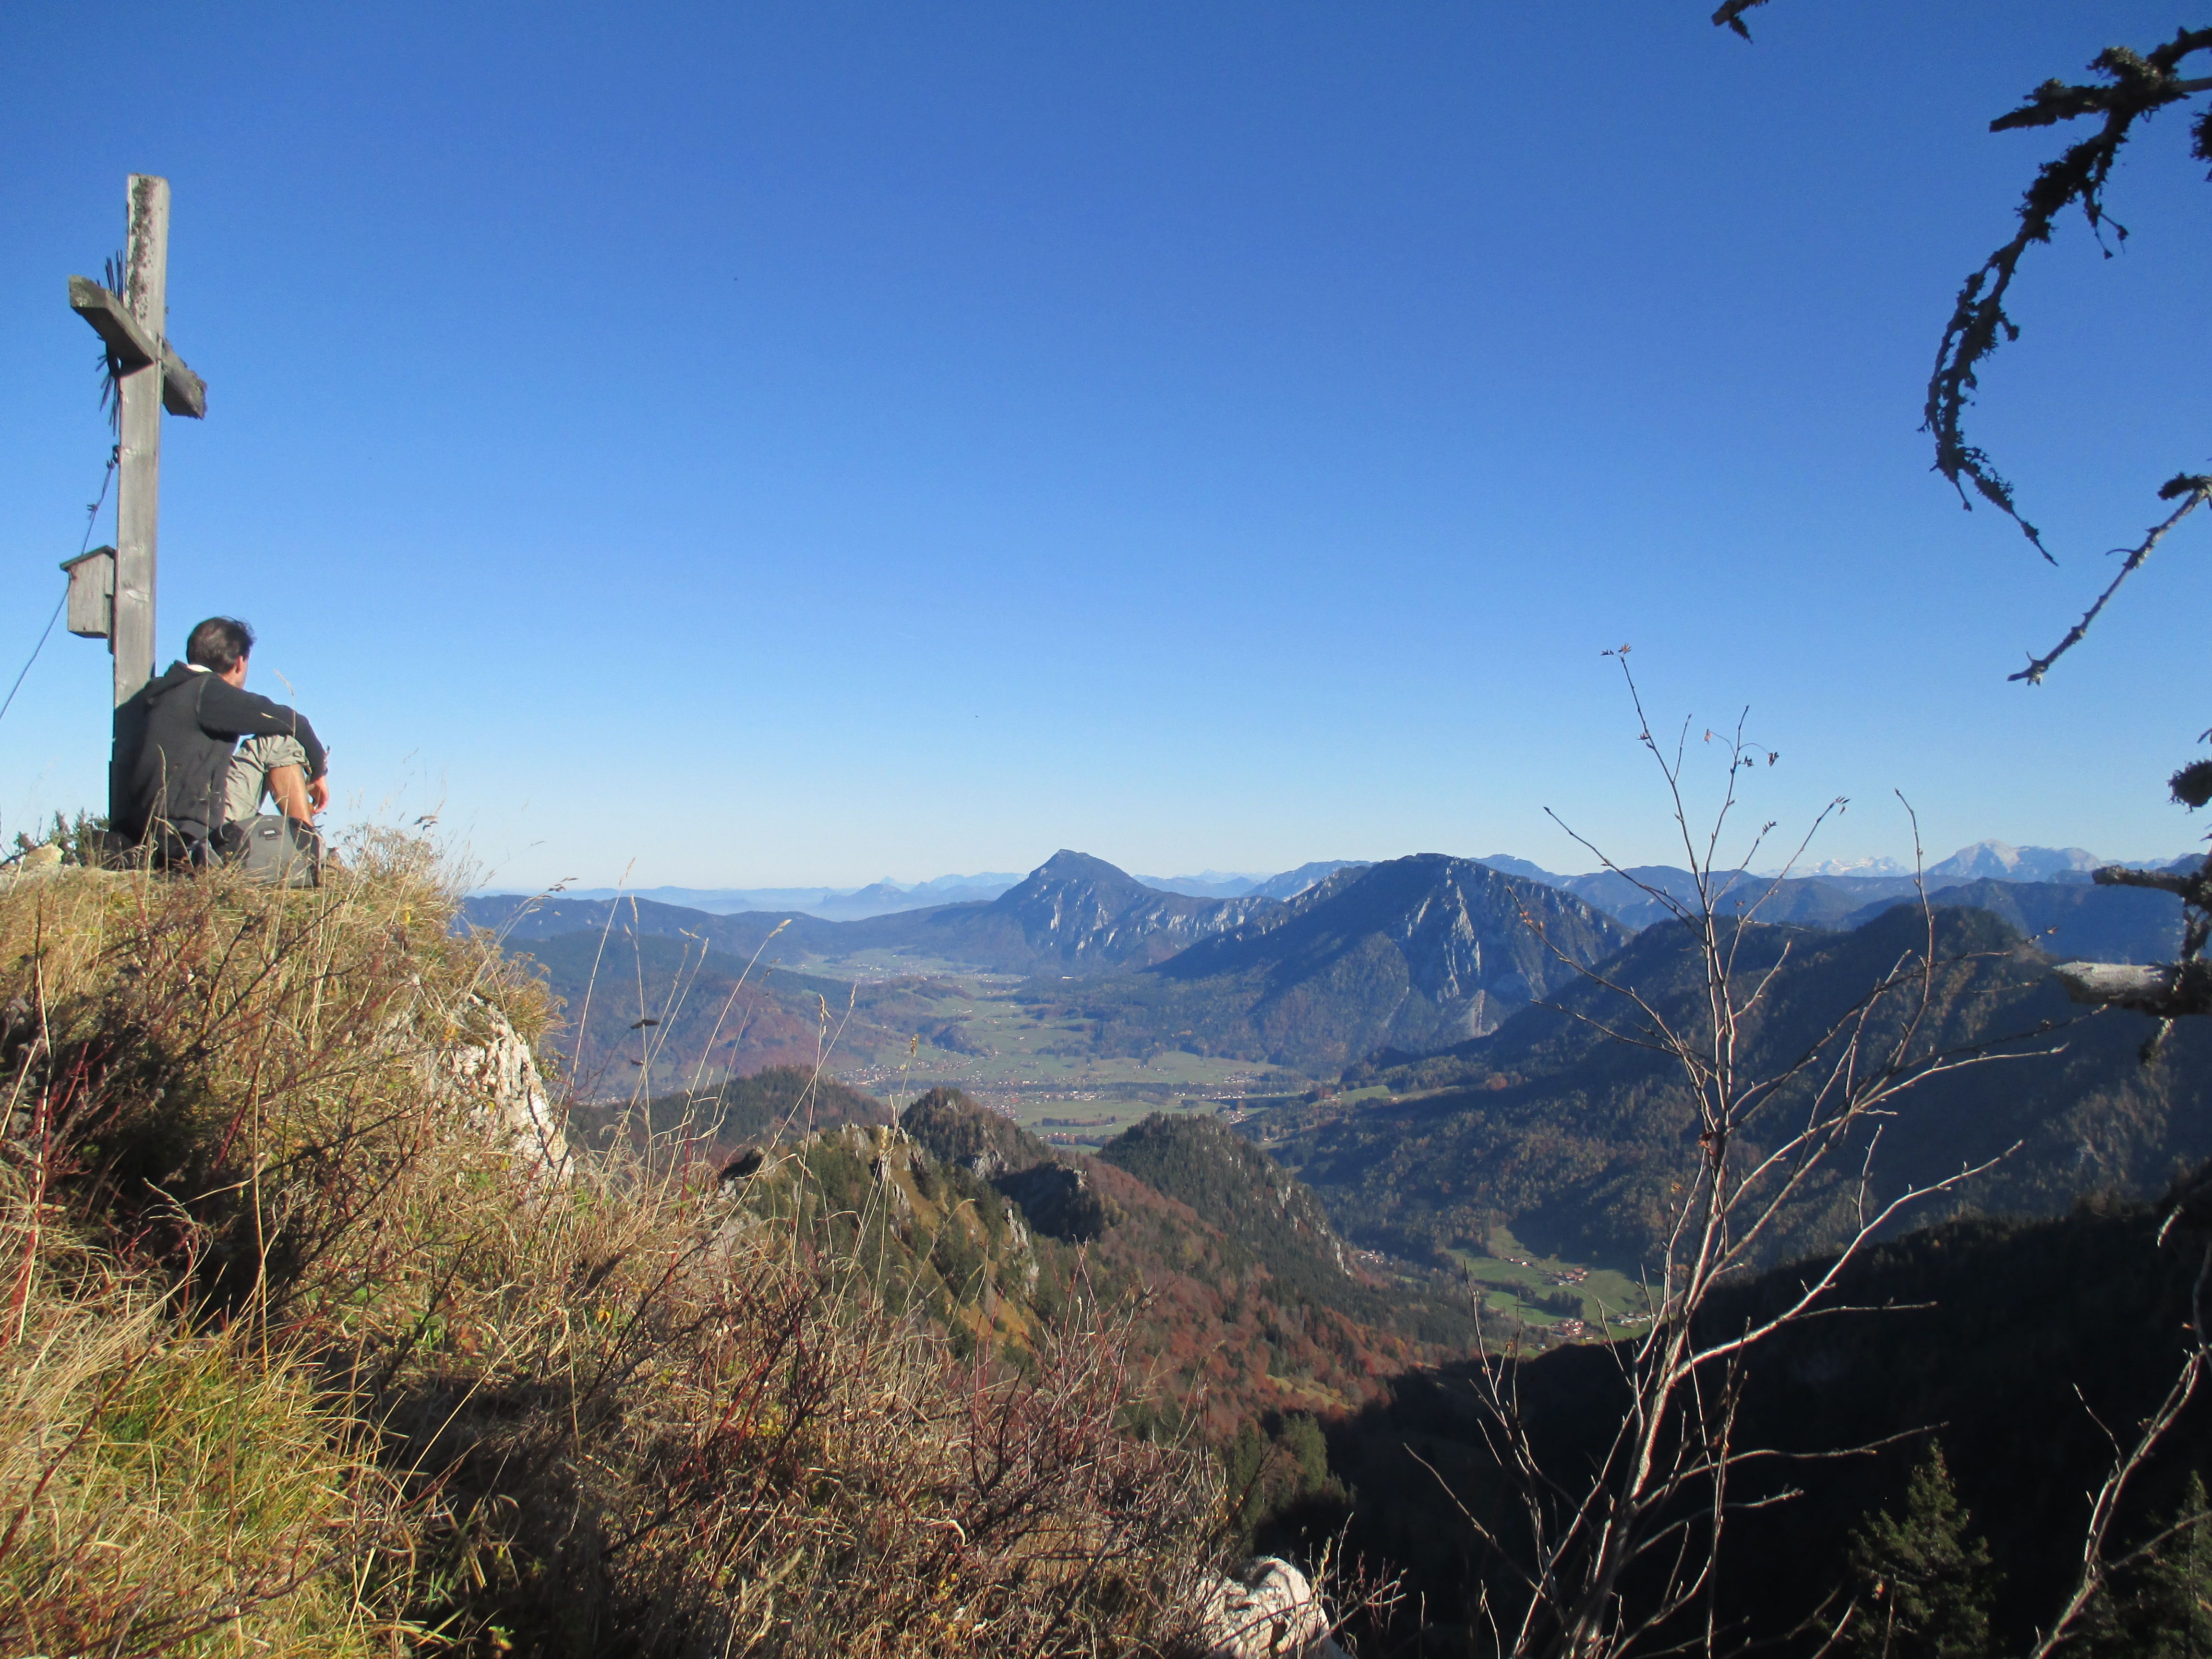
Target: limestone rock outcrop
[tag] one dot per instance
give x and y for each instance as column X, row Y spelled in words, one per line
column 1268, row 1610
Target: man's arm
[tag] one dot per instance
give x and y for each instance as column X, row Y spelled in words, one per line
column 227, row 711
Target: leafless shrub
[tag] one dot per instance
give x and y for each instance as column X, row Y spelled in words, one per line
column 1619, row 1554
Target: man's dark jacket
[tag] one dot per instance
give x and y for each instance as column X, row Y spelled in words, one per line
column 174, row 747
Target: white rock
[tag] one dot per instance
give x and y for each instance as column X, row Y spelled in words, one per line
column 499, row 1083
column 1267, row 1611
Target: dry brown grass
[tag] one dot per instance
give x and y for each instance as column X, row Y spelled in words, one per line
column 299, row 1357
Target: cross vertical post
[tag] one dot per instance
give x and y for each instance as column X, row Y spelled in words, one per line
column 138, row 465
column 148, row 378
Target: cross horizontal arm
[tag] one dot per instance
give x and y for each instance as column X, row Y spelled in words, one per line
column 183, row 392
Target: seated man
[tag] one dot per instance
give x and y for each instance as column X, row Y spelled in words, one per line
column 183, row 786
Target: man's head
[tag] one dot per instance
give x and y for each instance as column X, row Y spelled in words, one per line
column 221, row 645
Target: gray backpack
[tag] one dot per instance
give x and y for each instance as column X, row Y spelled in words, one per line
column 273, row 850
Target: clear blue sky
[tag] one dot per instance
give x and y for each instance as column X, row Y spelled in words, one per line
column 814, row 442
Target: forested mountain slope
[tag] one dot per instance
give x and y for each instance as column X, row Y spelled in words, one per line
column 1232, row 1184
column 775, row 1104
column 1576, row 1141
column 1235, row 1325
column 2071, row 919
column 1996, row 1340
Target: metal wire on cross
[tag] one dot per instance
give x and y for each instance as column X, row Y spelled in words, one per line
column 91, row 518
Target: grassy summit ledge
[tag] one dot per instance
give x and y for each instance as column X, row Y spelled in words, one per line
column 303, row 1350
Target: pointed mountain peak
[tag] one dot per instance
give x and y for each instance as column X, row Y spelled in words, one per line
column 1067, row 864
column 1078, row 908
column 1068, row 869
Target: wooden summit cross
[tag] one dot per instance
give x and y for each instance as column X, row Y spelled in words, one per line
column 112, row 588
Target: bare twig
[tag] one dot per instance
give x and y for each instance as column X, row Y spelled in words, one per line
column 2096, row 1573
column 2194, row 492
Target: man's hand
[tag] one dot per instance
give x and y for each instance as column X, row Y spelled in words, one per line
column 318, row 791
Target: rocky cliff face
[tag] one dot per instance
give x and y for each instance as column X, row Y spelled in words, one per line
column 1057, row 1197
column 1458, row 945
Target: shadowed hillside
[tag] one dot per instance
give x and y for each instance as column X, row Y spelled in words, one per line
column 2073, row 921
column 1806, row 901
column 1996, row 1339
column 1575, row 1139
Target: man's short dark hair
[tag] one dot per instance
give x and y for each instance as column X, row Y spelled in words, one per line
column 220, row 643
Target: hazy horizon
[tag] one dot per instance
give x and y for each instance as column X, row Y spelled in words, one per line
column 585, row 889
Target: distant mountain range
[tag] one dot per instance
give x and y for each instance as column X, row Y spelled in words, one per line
column 1995, row 859
column 1412, row 954
column 1207, row 884
column 1992, row 860
column 889, row 898
column 1981, row 861
column 1072, row 914
column 830, row 903
column 658, row 993
column 1819, row 895
column 1415, row 953
column 1215, row 883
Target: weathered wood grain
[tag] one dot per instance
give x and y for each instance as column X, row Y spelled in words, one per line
column 127, row 343
column 183, row 392
column 2168, row 989
column 138, row 473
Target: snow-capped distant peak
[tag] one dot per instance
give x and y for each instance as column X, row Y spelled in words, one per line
column 1868, row 866
column 1985, row 861
column 1998, row 860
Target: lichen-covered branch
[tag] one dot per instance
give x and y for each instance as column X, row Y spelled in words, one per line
column 2190, row 886
column 2135, row 84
